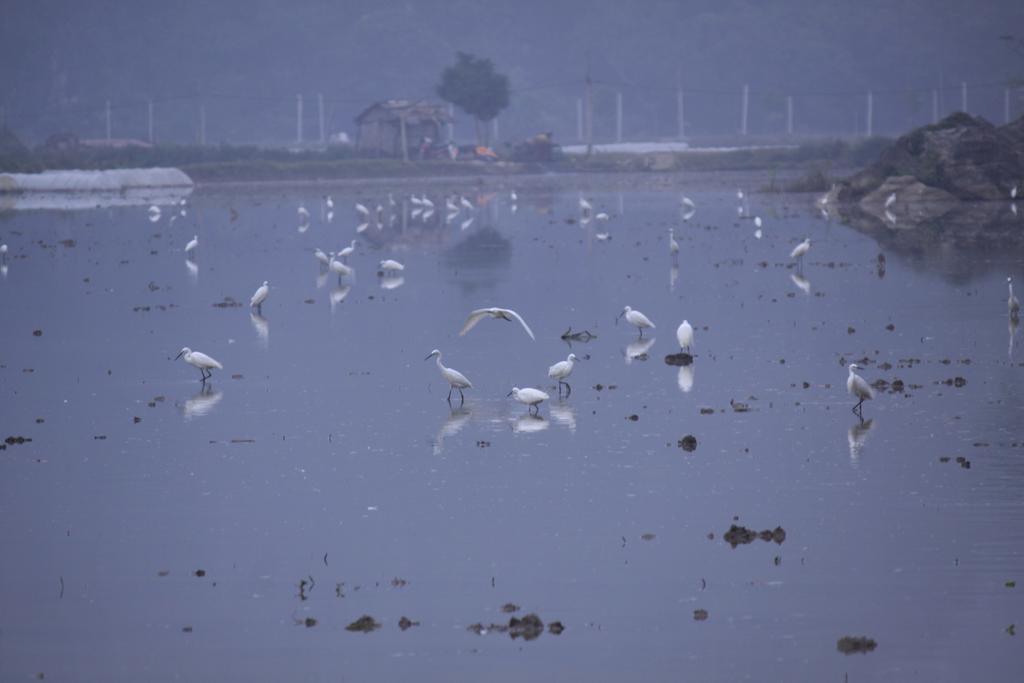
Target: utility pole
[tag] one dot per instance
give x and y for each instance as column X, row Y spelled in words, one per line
column 871, row 113
column 202, row 125
column 451, row 122
column 618, row 116
column 1006, row 105
column 405, row 142
column 320, row 111
column 963, row 96
column 935, row 106
column 590, row 112
column 494, row 130
column 298, row 118
column 579, row 119
column 150, row 108
column 108, row 119
column 789, row 114
column 746, row 103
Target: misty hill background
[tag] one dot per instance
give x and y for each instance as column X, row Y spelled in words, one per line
column 246, row 60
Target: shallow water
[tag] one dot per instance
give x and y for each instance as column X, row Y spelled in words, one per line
column 325, row 451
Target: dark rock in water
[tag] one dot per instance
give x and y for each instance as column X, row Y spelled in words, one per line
column 364, row 624
column 738, row 535
column 509, row 607
column 964, row 156
column 678, row 359
column 555, row 628
column 405, row 623
column 688, row 443
column 700, row 615
column 527, row 628
column 850, row 645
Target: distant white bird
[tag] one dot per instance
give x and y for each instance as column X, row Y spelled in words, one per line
column 425, row 201
column 801, row 249
column 673, row 246
column 391, row 265
column 502, row 313
column 200, row 360
column 416, row 201
column 303, row 214
column 451, row 205
column 391, row 200
column 684, row 335
column 329, row 202
column 513, row 196
column 601, row 216
column 529, row 396
column 455, row 379
column 339, row 268
column 362, row 210
column 465, row 203
column 757, row 222
column 153, row 208
column 321, row 256
column 585, row 207
column 154, row 213
column 687, row 202
column 380, row 214
column 890, row 200
column 1013, row 192
column 739, row 195
column 636, row 318
column 561, row 370
column 347, row 251
column 193, row 243
column 858, row 388
column 260, row 296
column 3, row 252
column 1012, row 304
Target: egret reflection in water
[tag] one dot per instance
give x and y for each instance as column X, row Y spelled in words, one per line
column 530, row 423
column 685, row 378
column 203, row 403
column 390, row 282
column 564, row 414
column 856, row 437
column 193, row 269
column 637, row 350
column 338, row 295
column 453, row 424
column 262, row 327
column 802, row 283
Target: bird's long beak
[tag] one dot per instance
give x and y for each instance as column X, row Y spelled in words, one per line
column 617, row 318
column 428, row 356
column 508, row 394
column 179, row 355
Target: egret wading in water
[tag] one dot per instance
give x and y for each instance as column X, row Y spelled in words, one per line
column 560, row 371
column 799, row 251
column 1012, row 304
column 636, row 318
column 684, row 335
column 529, row 396
column 586, row 208
column 191, row 246
column 502, row 313
column 260, row 296
column 347, row 251
column 200, row 360
column 3, row 252
column 390, row 265
column 858, row 388
column 455, row 379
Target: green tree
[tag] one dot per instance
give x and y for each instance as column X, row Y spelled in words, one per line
column 474, row 86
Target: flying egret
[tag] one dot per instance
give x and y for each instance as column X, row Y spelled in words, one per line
column 347, row 251
column 858, row 388
column 260, row 296
column 192, row 244
column 801, row 249
column 1012, row 304
column 362, row 210
column 455, row 379
column 391, row 265
column 890, row 200
column 199, row 360
column 502, row 313
column 635, row 318
column 687, row 202
column 684, row 335
column 673, row 246
column 561, row 370
column 529, row 396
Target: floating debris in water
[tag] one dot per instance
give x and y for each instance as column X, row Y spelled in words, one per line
column 37, row 333
column 688, row 443
column 849, row 645
column 509, row 607
column 228, row 302
column 678, row 359
column 405, row 623
column 583, row 336
column 700, row 615
column 647, row 537
column 738, row 535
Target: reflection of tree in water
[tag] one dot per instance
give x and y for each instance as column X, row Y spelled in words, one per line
column 474, row 262
column 969, row 241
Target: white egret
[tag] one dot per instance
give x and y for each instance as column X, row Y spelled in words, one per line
column 391, row 265
column 391, row 200
column 260, row 296
column 3, row 252
column 1013, row 192
column 502, row 313
column 1012, row 304
column 687, row 202
column 684, row 335
column 361, row 228
column 801, row 249
column 561, row 370
column 455, row 379
column 757, row 222
column 340, row 268
column 347, row 251
column 200, row 360
column 153, row 208
column 464, row 225
column 858, row 388
column 362, row 210
column 321, row 256
column 513, row 196
column 601, row 216
column 529, row 396
column 585, row 207
column 636, row 318
column 890, row 200
column 425, row 201
column 192, row 244
column 416, row 201
column 450, row 205
column 673, row 246
column 466, row 204
column 329, row 202
column 303, row 214
column 739, row 195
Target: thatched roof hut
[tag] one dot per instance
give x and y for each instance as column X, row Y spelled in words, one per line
column 383, row 125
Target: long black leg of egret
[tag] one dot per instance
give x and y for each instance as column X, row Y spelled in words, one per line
column 568, row 389
column 450, row 394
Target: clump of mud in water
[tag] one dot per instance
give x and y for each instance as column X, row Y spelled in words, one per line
column 739, row 535
column 678, row 359
column 850, row 645
column 688, row 443
column 364, row 624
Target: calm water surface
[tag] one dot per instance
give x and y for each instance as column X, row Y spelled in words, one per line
column 322, row 475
